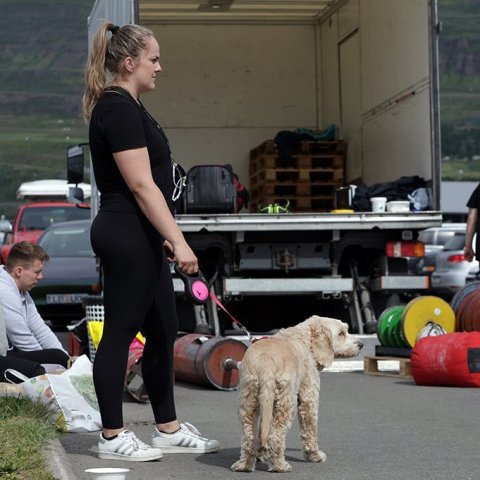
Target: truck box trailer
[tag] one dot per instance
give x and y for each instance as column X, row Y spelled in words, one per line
column 235, row 74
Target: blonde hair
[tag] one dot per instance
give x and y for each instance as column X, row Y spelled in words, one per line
column 106, row 56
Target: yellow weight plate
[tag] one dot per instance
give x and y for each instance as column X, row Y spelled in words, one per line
column 422, row 310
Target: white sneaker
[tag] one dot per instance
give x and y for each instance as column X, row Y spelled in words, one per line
column 126, row 446
column 186, row 440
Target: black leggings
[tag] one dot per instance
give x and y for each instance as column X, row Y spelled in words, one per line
column 138, row 295
column 29, row 363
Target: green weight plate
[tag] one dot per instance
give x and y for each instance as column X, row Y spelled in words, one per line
column 382, row 325
column 394, row 321
column 400, row 342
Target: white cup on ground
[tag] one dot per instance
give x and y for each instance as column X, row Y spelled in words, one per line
column 108, row 473
column 378, row 204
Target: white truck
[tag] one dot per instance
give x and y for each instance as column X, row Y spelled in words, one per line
column 235, row 73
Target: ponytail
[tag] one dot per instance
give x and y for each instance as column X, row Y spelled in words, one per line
column 107, row 54
column 95, row 75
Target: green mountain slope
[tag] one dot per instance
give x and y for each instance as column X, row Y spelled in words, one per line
column 44, row 48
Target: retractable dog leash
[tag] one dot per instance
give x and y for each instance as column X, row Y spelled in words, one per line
column 196, row 286
column 198, row 292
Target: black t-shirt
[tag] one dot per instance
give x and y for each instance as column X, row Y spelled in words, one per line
column 474, row 202
column 119, row 123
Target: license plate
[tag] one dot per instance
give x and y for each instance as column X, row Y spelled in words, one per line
column 66, row 297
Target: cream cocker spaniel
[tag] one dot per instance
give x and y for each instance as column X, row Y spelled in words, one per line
column 279, row 375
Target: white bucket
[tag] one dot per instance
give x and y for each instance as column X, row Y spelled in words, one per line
column 107, row 473
column 378, row 204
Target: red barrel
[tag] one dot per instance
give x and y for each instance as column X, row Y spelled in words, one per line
column 207, row 360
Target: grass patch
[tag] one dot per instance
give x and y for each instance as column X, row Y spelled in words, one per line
column 25, row 431
column 461, row 170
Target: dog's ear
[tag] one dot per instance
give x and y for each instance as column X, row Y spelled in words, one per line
column 321, row 344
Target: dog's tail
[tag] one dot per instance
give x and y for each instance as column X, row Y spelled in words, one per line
column 266, row 400
column 271, row 392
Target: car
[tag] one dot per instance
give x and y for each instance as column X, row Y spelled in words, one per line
column 70, row 275
column 452, row 270
column 5, row 227
column 32, row 218
column 434, row 239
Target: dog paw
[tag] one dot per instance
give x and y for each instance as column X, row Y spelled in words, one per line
column 241, row 466
column 280, row 467
column 317, row 457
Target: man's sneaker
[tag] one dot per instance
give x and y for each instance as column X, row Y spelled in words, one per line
column 186, row 440
column 126, row 446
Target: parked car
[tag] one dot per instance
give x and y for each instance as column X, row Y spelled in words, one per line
column 70, row 274
column 434, row 239
column 452, row 270
column 31, row 219
column 5, row 227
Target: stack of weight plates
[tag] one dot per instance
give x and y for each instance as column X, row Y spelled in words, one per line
column 388, row 331
column 400, row 326
column 466, row 306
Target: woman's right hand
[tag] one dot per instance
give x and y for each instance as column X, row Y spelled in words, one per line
column 186, row 260
column 468, row 253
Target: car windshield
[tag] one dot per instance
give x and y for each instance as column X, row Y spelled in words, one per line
column 39, row 218
column 457, row 242
column 67, row 242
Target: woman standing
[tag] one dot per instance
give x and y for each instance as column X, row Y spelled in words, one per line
column 135, row 236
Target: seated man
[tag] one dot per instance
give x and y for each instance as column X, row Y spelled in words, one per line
column 29, row 337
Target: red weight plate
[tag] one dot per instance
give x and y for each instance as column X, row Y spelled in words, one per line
column 470, row 312
column 459, row 320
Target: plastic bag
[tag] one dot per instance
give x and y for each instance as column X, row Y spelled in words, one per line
column 419, row 199
column 70, row 397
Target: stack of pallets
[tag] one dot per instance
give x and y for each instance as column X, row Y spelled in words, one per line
column 308, row 181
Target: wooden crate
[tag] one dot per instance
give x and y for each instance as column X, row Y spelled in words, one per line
column 293, row 175
column 308, row 180
column 305, row 146
column 270, row 160
column 287, row 189
column 314, row 147
column 269, row 146
column 371, row 366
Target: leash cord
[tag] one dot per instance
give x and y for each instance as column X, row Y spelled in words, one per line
column 219, row 303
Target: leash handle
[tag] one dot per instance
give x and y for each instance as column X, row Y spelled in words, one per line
column 196, row 286
column 219, row 303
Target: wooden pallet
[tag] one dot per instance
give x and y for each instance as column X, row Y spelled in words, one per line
column 280, row 175
column 313, row 147
column 269, row 146
column 305, row 146
column 371, row 366
column 270, row 160
column 268, row 189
